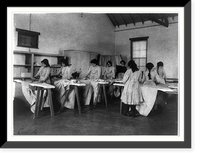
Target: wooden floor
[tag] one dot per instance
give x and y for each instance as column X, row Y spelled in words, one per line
column 98, row 121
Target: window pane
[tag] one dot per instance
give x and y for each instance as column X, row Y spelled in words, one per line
column 142, row 68
column 25, row 40
column 143, row 62
column 136, row 53
column 34, row 42
column 137, row 61
column 139, row 49
column 143, row 53
column 139, row 45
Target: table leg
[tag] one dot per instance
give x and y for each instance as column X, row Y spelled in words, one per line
column 66, row 97
column 96, row 99
column 78, row 100
column 120, row 110
column 35, row 115
column 105, row 96
column 41, row 100
column 50, row 102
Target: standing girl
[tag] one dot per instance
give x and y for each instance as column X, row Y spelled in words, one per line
column 109, row 75
column 131, row 93
column 64, row 84
column 30, row 93
column 109, row 72
column 161, row 75
column 148, row 90
column 161, row 81
column 93, row 74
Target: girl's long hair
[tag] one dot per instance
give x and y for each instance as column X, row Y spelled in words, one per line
column 46, row 62
column 133, row 65
column 159, row 64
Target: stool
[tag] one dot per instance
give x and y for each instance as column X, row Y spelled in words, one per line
column 40, row 90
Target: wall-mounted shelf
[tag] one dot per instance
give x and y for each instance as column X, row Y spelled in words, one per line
column 37, row 53
column 30, row 58
column 18, row 65
column 21, row 77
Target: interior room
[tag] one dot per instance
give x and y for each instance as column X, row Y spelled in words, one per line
column 80, row 38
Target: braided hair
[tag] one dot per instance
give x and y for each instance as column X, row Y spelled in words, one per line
column 149, row 66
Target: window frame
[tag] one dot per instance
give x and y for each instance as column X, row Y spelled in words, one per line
column 131, row 47
column 30, row 34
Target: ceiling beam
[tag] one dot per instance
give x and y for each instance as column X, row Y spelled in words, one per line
column 132, row 19
column 165, row 19
column 141, row 18
column 114, row 20
column 123, row 19
column 111, row 20
column 165, row 22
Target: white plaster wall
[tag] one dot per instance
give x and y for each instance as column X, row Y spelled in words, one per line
column 162, row 45
column 69, row 31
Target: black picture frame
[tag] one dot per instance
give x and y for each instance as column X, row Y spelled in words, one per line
column 127, row 144
column 26, row 35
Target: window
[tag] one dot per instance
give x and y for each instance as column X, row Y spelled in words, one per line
column 139, row 51
column 27, row 38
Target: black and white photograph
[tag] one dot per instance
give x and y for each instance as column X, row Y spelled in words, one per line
column 90, row 75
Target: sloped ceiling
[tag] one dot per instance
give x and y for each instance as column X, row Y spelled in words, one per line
column 125, row 19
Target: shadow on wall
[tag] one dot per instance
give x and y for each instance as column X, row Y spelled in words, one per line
column 100, row 47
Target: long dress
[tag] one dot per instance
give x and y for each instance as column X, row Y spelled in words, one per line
column 131, row 92
column 91, row 84
column 30, row 93
column 62, row 85
column 148, row 94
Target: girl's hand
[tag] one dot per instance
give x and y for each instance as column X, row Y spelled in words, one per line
column 40, row 81
column 33, row 78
